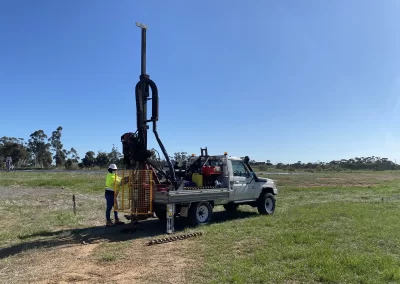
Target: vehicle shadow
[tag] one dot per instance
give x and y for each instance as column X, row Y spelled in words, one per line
column 225, row 216
column 89, row 235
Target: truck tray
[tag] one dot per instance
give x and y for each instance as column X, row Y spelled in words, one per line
column 192, row 195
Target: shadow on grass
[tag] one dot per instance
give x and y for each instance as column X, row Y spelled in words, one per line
column 147, row 228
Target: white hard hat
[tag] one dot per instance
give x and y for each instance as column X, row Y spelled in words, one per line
column 113, row 166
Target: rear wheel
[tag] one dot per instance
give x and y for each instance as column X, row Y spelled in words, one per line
column 200, row 213
column 266, row 204
column 161, row 212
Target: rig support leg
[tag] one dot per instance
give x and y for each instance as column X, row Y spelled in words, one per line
column 170, row 218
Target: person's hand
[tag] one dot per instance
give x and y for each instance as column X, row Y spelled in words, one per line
column 125, row 180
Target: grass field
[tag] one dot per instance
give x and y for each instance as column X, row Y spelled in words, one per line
column 327, row 228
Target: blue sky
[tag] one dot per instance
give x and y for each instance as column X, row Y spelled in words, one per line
column 278, row 80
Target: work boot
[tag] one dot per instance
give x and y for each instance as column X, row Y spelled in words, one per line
column 109, row 224
column 118, row 222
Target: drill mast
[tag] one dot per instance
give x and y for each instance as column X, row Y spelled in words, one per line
column 135, row 148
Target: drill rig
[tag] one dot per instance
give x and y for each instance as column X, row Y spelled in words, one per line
column 191, row 193
column 152, row 189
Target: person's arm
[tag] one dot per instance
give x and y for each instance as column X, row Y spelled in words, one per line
column 119, row 181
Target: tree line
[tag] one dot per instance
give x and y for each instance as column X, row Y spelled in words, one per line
column 357, row 163
column 43, row 151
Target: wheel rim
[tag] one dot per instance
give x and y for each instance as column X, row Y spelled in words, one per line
column 202, row 213
column 269, row 204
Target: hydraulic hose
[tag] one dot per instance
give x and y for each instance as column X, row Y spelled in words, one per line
column 171, row 169
column 148, row 82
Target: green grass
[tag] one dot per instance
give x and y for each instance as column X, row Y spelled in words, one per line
column 327, row 228
column 319, row 234
column 27, row 223
column 35, row 202
column 82, row 181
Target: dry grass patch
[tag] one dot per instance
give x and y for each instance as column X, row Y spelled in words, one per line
column 334, row 179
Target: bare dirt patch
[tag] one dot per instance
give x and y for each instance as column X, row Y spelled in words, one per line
column 135, row 263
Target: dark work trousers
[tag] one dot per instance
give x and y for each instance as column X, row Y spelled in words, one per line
column 109, row 195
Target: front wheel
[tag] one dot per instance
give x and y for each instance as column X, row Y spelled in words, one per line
column 200, row 213
column 266, row 204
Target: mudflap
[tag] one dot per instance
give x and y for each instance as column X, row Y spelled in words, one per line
column 184, row 212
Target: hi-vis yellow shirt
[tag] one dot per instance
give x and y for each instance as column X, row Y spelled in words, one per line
column 110, row 179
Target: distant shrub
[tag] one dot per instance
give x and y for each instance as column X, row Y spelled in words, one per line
column 262, row 168
column 70, row 165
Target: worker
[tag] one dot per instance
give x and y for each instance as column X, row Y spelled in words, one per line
column 112, row 178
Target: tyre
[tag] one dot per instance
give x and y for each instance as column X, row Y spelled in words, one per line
column 266, row 204
column 231, row 207
column 161, row 212
column 200, row 213
column 161, row 215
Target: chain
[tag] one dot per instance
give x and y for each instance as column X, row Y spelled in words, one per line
column 172, row 239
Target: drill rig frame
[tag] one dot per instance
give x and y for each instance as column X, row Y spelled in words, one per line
column 137, row 157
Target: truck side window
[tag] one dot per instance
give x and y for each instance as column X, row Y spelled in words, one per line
column 239, row 169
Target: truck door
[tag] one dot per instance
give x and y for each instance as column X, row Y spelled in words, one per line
column 242, row 185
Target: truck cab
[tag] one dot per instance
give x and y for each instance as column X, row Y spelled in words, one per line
column 246, row 185
column 246, row 188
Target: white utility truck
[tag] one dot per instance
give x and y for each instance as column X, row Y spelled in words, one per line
column 216, row 180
